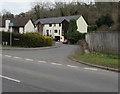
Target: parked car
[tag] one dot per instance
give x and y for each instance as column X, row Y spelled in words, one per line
column 65, row 42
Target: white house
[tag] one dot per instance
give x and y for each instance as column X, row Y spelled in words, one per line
column 20, row 25
column 58, row 26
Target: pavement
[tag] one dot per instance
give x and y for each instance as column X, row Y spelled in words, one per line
column 57, row 44
column 50, row 70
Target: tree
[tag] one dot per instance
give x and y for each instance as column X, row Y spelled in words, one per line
column 72, row 25
column 73, row 35
column 7, row 14
column 105, row 20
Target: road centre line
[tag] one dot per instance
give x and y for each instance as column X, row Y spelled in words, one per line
column 91, row 69
column 7, row 55
column 8, row 78
column 17, row 57
column 56, row 64
column 72, row 66
column 29, row 59
column 42, row 61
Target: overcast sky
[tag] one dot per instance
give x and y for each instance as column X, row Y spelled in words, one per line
column 18, row 6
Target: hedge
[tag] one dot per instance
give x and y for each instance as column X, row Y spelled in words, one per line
column 27, row 40
column 48, row 41
column 73, row 37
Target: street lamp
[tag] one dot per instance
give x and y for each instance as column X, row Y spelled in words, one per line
column 11, row 24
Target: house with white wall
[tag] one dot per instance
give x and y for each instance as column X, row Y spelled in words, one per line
column 57, row 27
column 20, row 25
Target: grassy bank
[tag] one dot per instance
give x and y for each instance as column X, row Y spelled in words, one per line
column 99, row 59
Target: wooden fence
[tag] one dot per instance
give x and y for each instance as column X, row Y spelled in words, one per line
column 103, row 42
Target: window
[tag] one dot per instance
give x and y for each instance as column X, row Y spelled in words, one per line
column 59, row 32
column 59, row 24
column 50, row 25
column 55, row 25
column 47, row 31
column 55, row 31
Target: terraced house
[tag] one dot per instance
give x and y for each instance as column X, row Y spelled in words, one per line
column 58, row 26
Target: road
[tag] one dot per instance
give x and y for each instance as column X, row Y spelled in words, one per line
column 50, row 70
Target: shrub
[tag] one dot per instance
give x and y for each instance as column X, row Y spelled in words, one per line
column 105, row 20
column 92, row 28
column 73, row 37
column 6, row 37
column 34, row 40
column 27, row 40
column 48, row 41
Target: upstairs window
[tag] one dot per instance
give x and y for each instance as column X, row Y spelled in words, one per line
column 59, row 24
column 50, row 25
column 55, row 25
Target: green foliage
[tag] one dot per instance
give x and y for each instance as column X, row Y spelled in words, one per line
column 72, row 25
column 99, row 59
column 34, row 40
column 73, row 37
column 5, row 37
column 105, row 20
column 48, row 41
column 27, row 40
column 92, row 28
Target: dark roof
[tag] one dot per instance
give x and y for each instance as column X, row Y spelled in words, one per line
column 18, row 22
column 56, row 19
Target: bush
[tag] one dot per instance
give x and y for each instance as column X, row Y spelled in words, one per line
column 27, row 40
column 92, row 28
column 48, row 41
column 5, row 37
column 34, row 40
column 73, row 37
column 105, row 20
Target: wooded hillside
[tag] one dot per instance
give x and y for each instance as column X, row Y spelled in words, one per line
column 91, row 12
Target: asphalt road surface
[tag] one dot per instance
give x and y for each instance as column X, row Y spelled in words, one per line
column 50, row 70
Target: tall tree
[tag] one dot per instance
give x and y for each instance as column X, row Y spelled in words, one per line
column 7, row 14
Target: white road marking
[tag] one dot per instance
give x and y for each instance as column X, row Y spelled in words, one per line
column 72, row 66
column 8, row 56
column 8, row 78
column 56, row 64
column 42, row 61
column 91, row 69
column 29, row 59
column 17, row 57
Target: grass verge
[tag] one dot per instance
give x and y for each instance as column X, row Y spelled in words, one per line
column 99, row 59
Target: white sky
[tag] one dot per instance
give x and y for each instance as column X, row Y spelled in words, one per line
column 18, row 6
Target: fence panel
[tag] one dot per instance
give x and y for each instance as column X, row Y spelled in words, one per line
column 103, row 42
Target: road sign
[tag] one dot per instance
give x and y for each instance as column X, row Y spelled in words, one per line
column 11, row 24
